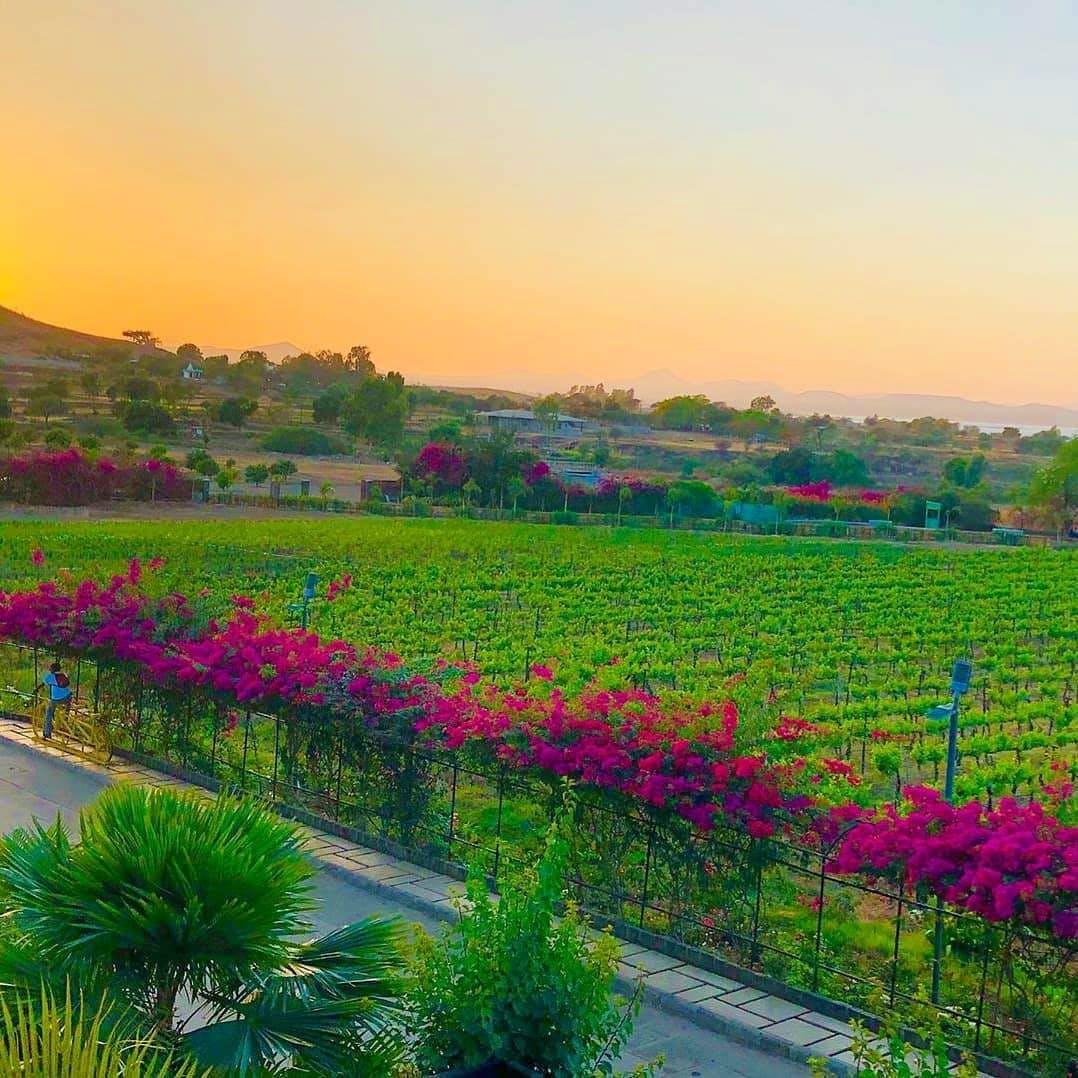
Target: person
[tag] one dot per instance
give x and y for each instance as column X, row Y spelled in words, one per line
column 59, row 686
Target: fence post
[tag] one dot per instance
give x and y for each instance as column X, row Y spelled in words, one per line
column 452, row 813
column 984, row 983
column 276, row 753
column 937, row 951
column 246, row 739
column 498, row 824
column 647, row 872
column 754, row 953
column 819, row 924
column 898, row 935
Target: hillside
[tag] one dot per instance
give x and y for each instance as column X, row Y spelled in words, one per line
column 26, row 338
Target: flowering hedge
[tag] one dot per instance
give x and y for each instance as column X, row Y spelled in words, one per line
column 1013, row 863
column 71, row 477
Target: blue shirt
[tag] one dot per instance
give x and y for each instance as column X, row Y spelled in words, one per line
column 56, row 692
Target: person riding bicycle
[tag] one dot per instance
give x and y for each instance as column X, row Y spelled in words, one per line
column 59, row 686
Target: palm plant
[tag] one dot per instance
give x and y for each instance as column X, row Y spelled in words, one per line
column 191, row 909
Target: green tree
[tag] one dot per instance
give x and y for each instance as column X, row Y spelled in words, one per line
column 90, row 380
column 516, row 488
column 624, row 494
column 325, row 491
column 48, row 399
column 376, row 409
column 1054, row 489
column 256, row 474
column 236, row 410
column 170, row 895
column 5, row 403
column 282, row 469
column 326, row 407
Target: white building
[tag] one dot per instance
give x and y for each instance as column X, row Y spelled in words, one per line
column 192, row 373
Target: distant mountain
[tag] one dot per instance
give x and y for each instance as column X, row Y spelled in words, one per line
column 25, row 338
column 274, row 352
column 659, row 384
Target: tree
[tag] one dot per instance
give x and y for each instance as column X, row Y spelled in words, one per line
column 326, row 492
column 5, row 403
column 236, row 410
column 326, row 407
column 90, row 381
column 1055, row 488
column 170, row 896
column 546, row 411
column 359, row 357
column 189, row 353
column 765, row 403
column 376, row 409
column 624, row 494
column 146, row 417
column 225, row 479
column 682, row 413
column 256, row 474
column 282, row 469
column 142, row 337
column 516, row 489
column 791, row 466
column 48, row 399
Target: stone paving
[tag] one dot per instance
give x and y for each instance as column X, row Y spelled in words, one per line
column 741, row 1012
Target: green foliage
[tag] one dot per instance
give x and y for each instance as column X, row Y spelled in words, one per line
column 175, row 895
column 376, row 409
column 887, row 1053
column 236, row 410
column 146, row 417
column 256, row 474
column 513, row 982
column 303, row 441
column 41, row 1037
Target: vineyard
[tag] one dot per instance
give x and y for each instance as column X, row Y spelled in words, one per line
column 855, row 641
column 745, row 720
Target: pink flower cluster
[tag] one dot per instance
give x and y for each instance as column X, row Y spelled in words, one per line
column 1011, row 862
column 71, row 477
column 437, row 460
column 626, row 740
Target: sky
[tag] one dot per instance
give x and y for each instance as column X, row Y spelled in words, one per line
column 851, row 196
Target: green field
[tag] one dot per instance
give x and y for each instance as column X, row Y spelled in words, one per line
column 858, row 638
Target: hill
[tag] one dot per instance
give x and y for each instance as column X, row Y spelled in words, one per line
column 26, row 338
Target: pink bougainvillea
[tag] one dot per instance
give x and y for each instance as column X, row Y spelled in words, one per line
column 72, row 477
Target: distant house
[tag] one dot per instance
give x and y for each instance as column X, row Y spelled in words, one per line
column 575, row 472
column 524, row 421
column 191, row 373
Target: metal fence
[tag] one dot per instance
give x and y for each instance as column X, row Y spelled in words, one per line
column 720, row 899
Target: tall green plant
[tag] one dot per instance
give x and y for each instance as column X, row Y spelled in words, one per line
column 41, row 1037
column 176, row 897
column 513, row 982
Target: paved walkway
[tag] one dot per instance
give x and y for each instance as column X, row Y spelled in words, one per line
column 355, row 882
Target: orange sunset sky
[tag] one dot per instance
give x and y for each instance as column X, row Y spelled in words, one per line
column 846, row 196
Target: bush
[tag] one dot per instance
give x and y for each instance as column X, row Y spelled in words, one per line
column 70, row 477
column 57, row 438
column 302, row 441
column 563, row 516
column 146, row 417
column 511, row 982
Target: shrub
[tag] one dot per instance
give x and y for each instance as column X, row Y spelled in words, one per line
column 303, row 441
column 70, row 477
column 510, row 981
column 146, row 417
